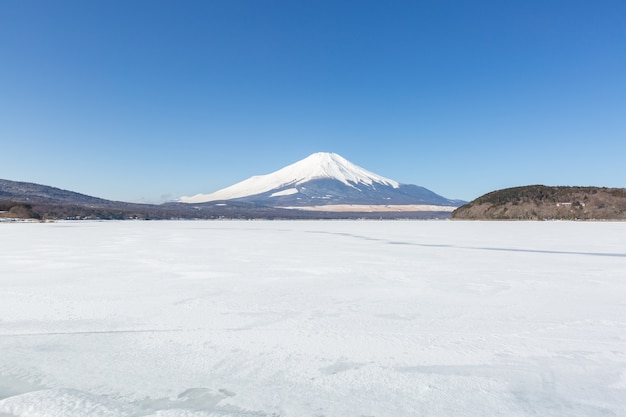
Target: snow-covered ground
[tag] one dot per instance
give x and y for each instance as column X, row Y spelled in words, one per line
column 304, row 319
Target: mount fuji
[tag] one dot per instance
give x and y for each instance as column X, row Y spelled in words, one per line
column 325, row 180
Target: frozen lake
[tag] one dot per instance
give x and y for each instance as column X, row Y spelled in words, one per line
column 312, row 319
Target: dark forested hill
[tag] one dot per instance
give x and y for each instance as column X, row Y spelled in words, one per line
column 540, row 202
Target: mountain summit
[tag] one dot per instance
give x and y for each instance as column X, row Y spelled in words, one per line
column 324, row 179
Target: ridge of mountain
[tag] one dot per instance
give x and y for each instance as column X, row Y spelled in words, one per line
column 25, row 200
column 37, row 193
column 541, row 202
column 323, row 178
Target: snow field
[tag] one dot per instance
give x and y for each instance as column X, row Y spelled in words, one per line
column 318, row 318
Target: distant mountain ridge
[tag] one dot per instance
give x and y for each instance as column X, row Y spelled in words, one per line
column 47, row 202
column 37, row 193
column 29, row 200
column 540, row 202
column 324, row 178
column 24, row 200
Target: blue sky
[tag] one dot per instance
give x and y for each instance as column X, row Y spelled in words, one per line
column 150, row 100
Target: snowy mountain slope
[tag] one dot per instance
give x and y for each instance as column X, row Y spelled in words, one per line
column 316, row 166
column 321, row 179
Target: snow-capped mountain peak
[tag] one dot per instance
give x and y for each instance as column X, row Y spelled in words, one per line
column 320, row 165
column 331, row 166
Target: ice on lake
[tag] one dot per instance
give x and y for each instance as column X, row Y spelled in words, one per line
column 313, row 318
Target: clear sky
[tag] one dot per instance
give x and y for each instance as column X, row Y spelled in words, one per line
column 151, row 100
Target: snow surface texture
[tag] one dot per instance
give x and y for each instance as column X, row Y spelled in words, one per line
column 316, row 166
column 303, row 319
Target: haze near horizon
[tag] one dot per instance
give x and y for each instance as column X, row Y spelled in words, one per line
column 148, row 101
